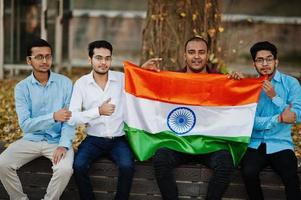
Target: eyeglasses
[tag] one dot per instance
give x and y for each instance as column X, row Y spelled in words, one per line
column 260, row 61
column 40, row 57
column 101, row 58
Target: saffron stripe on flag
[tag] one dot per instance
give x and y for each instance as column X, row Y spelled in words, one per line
column 191, row 89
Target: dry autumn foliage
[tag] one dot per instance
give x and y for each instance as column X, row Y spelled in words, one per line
column 10, row 130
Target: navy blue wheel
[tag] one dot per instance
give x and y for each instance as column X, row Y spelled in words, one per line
column 181, row 120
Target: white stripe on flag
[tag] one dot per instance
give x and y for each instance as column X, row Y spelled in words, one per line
column 226, row 121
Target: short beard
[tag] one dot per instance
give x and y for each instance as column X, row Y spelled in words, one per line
column 101, row 73
column 269, row 75
column 196, row 70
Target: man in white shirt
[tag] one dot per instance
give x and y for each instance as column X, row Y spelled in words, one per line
column 97, row 102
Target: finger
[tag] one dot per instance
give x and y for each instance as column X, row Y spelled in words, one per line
column 241, row 75
column 158, row 59
column 287, row 109
column 64, row 155
column 58, row 159
column 156, row 62
column 55, row 159
column 266, row 82
column 269, row 84
column 264, row 89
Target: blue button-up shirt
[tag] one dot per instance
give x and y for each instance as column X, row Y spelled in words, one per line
column 267, row 129
column 36, row 104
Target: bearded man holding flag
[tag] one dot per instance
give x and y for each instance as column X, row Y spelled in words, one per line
column 181, row 117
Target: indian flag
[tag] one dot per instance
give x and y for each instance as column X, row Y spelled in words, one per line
column 190, row 113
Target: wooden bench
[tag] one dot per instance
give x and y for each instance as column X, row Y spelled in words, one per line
column 192, row 182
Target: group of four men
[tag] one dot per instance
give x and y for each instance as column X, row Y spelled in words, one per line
column 48, row 110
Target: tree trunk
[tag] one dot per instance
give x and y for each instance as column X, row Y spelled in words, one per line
column 170, row 23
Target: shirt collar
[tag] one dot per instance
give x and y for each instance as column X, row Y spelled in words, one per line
column 277, row 76
column 111, row 77
column 35, row 81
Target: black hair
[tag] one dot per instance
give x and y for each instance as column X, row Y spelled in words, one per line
column 99, row 44
column 197, row 38
column 265, row 45
column 37, row 43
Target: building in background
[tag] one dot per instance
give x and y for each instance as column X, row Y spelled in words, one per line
column 69, row 25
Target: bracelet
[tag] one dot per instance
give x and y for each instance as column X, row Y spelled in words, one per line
column 280, row 118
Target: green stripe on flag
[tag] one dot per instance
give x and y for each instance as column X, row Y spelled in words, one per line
column 144, row 144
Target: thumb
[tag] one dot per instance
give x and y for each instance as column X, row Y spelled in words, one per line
column 107, row 101
column 288, row 107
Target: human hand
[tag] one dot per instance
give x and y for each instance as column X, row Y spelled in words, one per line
column 268, row 88
column 62, row 115
column 106, row 108
column 288, row 116
column 235, row 75
column 152, row 64
column 59, row 154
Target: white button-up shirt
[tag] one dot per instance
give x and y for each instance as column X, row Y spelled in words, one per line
column 86, row 98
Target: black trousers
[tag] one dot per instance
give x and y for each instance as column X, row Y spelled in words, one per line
column 284, row 163
column 165, row 160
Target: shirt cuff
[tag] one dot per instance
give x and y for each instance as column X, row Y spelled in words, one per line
column 275, row 120
column 95, row 112
column 52, row 118
column 66, row 144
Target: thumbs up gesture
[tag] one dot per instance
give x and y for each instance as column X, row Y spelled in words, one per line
column 106, row 108
column 288, row 116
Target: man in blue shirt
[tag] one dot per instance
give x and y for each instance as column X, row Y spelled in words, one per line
column 41, row 100
column 271, row 143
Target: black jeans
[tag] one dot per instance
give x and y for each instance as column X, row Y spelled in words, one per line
column 165, row 160
column 91, row 149
column 284, row 163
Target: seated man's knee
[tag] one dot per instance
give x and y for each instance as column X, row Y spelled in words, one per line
column 223, row 161
column 4, row 167
column 127, row 168
column 79, row 167
column 64, row 170
column 163, row 163
column 162, row 157
column 249, row 172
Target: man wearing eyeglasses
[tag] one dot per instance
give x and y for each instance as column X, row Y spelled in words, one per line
column 97, row 102
column 271, row 143
column 41, row 100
